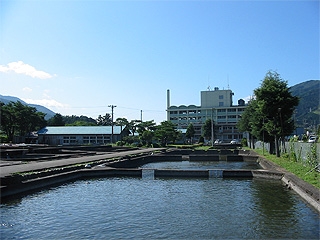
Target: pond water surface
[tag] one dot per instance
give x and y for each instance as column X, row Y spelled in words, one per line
column 137, row 208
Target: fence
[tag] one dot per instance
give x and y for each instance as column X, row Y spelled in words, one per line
column 307, row 153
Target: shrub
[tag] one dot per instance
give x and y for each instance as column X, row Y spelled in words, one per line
column 244, row 142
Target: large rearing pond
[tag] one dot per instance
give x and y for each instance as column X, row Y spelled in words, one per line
column 138, row 208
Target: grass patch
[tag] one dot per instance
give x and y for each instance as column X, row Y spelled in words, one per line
column 193, row 146
column 303, row 171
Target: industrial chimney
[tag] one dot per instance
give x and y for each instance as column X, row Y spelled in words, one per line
column 168, row 103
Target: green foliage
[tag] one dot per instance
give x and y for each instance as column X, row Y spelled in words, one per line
column 3, row 138
column 307, row 112
column 145, row 126
column 70, row 120
column 147, row 136
column 244, row 142
column 312, row 160
column 131, row 139
column 269, row 115
column 190, row 132
column 81, row 123
column 105, row 120
column 20, row 119
column 206, row 129
column 56, row 120
column 304, row 172
column 166, row 132
column 292, row 154
column 201, row 139
column 123, row 122
column 120, row 143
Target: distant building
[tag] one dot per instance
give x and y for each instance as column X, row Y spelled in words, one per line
column 217, row 105
column 79, row 135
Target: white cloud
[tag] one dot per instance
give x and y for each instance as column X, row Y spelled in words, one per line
column 46, row 103
column 26, row 69
column 27, row 89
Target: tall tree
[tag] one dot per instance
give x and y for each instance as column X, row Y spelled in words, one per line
column 147, row 137
column 133, row 126
column 8, row 119
column 206, row 129
column 270, row 114
column 104, row 120
column 20, row 119
column 122, row 122
column 190, row 132
column 166, row 132
column 145, row 126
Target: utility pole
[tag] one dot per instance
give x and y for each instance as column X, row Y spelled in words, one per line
column 112, row 107
column 211, row 127
column 141, row 116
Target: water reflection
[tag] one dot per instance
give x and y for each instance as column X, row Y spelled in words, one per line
column 283, row 205
column 131, row 208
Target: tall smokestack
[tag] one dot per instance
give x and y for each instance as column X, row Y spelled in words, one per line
column 168, row 98
column 168, row 104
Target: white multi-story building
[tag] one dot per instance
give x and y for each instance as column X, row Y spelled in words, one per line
column 215, row 104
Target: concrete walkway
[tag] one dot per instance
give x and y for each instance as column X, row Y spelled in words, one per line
column 34, row 166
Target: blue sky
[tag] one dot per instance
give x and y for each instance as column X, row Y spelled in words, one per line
column 78, row 57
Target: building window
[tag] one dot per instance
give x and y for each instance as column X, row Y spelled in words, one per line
column 220, row 96
column 221, row 110
column 220, row 104
column 232, row 110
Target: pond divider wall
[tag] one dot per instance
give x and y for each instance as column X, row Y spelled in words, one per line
column 58, row 179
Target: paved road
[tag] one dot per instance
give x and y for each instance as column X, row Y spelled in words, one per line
column 34, row 166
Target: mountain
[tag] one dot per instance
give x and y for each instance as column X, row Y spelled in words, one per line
column 308, row 111
column 48, row 112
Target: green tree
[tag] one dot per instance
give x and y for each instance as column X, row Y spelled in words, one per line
column 144, row 126
column 269, row 116
column 8, row 120
column 206, row 129
column 190, row 132
column 104, row 120
column 166, row 132
column 81, row 123
column 133, row 126
column 122, row 122
column 147, row 137
column 20, row 119
column 71, row 120
column 56, row 120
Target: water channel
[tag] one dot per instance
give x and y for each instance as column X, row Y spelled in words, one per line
column 143, row 208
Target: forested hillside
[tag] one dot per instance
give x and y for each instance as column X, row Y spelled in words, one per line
column 48, row 112
column 308, row 111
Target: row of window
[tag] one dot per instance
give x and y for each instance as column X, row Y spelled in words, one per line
column 199, row 111
column 86, row 139
column 199, row 118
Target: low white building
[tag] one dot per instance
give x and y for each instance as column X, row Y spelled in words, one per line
column 215, row 104
column 79, row 135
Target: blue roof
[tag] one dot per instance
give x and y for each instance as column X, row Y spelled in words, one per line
column 80, row 130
